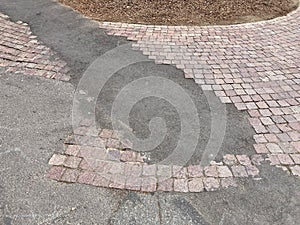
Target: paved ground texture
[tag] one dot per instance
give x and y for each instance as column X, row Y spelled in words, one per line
column 254, row 66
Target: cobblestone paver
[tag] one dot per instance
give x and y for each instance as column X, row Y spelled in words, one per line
column 90, row 158
column 21, row 52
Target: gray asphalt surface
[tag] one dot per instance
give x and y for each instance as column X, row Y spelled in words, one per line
column 35, row 120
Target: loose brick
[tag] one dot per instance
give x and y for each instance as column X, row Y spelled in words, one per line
column 72, row 150
column 84, row 165
column 285, row 159
column 195, row 171
column 112, row 143
column 165, row 184
column 211, row 184
column 56, row 172
column 70, row 175
column 86, row 177
column 273, row 148
column 260, row 138
column 260, row 148
column 196, row 185
column 211, row 171
column 72, row 162
column 181, row 185
column 179, row 172
column 224, row 171
column 57, row 160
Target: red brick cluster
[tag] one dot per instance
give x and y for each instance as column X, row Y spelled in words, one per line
column 100, row 158
column 21, row 52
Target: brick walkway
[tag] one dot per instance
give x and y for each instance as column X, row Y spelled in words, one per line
column 21, row 52
column 99, row 158
column 254, row 66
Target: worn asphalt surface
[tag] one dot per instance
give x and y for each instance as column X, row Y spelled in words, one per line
column 36, row 118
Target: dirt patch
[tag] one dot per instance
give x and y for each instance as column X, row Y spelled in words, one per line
column 182, row 12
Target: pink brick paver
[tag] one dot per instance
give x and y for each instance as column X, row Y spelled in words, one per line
column 86, row 163
column 21, row 52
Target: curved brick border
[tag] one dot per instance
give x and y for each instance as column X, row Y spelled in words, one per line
column 21, row 52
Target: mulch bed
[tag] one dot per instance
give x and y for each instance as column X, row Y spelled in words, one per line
column 182, row 12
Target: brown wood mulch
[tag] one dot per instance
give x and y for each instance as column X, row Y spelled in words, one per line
column 182, row 12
